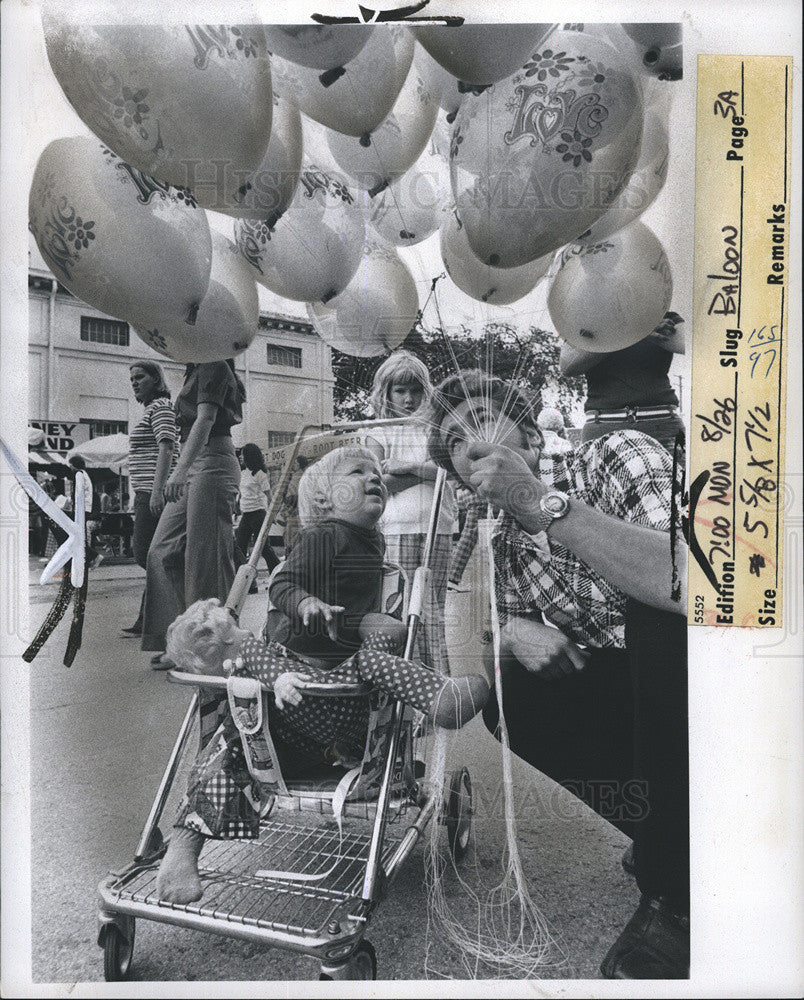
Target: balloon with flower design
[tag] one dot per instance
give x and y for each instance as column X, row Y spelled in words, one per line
column 611, row 294
column 414, row 206
column 188, row 104
column 311, row 253
column 118, row 239
column 539, row 157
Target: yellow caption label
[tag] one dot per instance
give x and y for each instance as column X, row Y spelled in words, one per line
column 742, row 266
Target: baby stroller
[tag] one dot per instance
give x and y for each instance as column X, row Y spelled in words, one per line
column 332, row 841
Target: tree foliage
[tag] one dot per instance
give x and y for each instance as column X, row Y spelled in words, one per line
column 529, row 359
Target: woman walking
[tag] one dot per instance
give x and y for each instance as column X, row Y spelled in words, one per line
column 191, row 555
column 255, row 492
column 152, row 454
column 401, row 388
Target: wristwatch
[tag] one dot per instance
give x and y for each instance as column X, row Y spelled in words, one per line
column 552, row 506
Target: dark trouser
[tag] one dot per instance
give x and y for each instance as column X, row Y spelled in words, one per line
column 144, row 527
column 247, row 530
column 616, row 735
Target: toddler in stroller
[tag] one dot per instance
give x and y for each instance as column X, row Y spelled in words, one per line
column 329, row 627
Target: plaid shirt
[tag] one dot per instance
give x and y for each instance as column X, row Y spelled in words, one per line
column 626, row 474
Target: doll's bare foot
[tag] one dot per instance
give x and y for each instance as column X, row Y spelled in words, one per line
column 178, row 881
column 459, row 700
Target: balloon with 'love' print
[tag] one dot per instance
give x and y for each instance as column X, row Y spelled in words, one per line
column 227, row 318
column 118, row 239
column 480, row 54
column 317, row 46
column 539, row 157
column 376, row 312
column 612, row 294
column 188, row 104
column 492, row 285
column 312, row 252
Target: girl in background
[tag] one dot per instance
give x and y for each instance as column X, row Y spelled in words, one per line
column 401, row 388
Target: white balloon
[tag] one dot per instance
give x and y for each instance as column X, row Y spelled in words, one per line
column 356, row 101
column 317, row 46
column 269, row 190
column 227, row 319
column 645, row 182
column 441, row 83
column 413, row 207
column 313, row 251
column 492, row 285
column 187, row 104
column 608, row 296
column 376, row 312
column 481, row 54
column 539, row 157
column 395, row 145
column 115, row 237
column 660, row 48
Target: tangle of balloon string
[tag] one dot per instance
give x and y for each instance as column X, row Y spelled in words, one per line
column 509, row 935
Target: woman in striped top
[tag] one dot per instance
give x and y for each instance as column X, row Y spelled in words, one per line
column 151, row 457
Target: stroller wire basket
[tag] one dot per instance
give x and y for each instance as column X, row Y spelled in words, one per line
column 321, row 863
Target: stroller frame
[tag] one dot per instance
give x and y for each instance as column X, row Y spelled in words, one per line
column 318, row 911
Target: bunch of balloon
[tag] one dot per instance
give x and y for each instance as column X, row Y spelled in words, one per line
column 312, row 252
column 187, row 104
column 609, row 295
column 492, row 285
column 413, row 207
column 374, row 161
column 118, row 239
column 645, row 183
column 481, row 54
column 355, row 101
column 268, row 192
column 376, row 312
column 540, row 156
column 322, row 47
column 227, row 318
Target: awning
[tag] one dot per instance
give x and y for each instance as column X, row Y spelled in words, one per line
column 39, row 456
column 107, row 452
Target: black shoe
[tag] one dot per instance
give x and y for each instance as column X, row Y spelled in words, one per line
column 655, row 944
column 135, row 629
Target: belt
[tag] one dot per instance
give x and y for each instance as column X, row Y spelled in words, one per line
column 631, row 413
column 220, row 434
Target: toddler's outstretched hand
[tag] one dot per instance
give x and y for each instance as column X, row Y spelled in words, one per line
column 287, row 689
column 312, row 612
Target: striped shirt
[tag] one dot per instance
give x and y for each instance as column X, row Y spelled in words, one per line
column 158, row 423
column 625, row 474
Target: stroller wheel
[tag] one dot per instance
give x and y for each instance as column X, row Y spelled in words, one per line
column 117, row 952
column 459, row 813
column 362, row 965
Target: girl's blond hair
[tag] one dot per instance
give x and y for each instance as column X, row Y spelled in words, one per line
column 401, row 366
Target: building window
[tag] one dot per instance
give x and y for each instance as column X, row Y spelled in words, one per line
column 276, row 439
column 100, row 428
column 288, row 357
column 104, row 331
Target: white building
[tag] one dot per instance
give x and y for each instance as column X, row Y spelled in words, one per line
column 79, row 379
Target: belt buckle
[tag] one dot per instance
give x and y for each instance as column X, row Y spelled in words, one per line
column 631, row 412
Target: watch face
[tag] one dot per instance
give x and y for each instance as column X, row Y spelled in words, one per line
column 555, row 504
